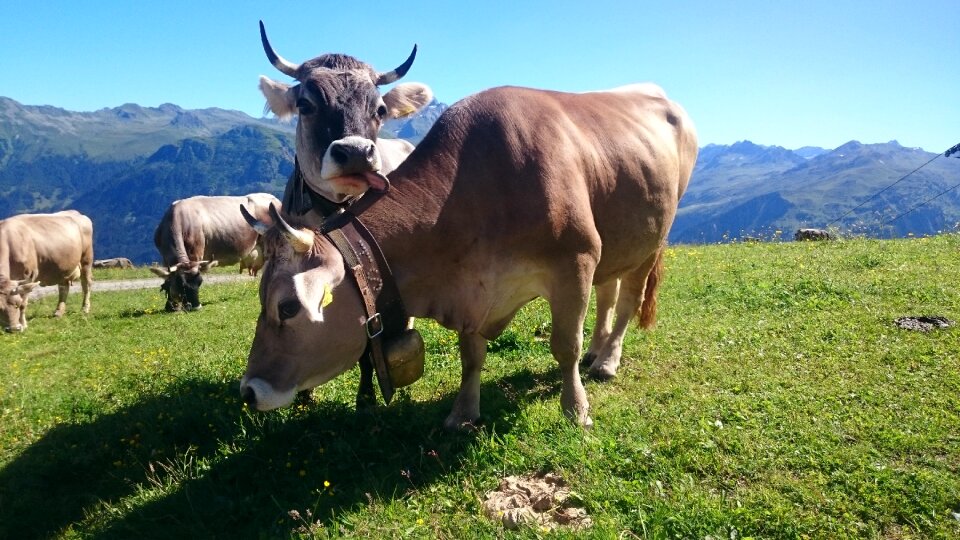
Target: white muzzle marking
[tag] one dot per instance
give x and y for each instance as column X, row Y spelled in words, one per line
column 268, row 398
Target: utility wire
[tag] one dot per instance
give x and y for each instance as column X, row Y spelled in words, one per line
column 902, row 178
column 921, row 204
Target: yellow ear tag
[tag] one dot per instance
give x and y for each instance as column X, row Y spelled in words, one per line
column 327, row 296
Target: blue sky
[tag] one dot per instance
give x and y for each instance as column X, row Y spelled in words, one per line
column 818, row 72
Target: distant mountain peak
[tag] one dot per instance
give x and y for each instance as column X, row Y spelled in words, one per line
column 848, row 146
column 809, row 152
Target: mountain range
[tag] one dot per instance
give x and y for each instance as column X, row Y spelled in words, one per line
column 748, row 190
column 123, row 166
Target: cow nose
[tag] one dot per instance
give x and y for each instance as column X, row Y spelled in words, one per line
column 13, row 328
column 248, row 396
column 354, row 153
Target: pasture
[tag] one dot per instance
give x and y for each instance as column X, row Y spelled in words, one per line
column 775, row 399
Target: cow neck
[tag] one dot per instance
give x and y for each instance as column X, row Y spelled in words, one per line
column 385, row 312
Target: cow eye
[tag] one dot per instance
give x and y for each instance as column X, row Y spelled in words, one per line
column 305, row 107
column 382, row 111
column 288, row 309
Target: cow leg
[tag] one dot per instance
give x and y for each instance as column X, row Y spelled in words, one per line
column 569, row 299
column 23, row 314
column 629, row 300
column 566, row 342
column 466, row 407
column 366, row 399
column 86, row 284
column 606, row 302
column 62, row 289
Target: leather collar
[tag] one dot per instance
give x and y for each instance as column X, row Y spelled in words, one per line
column 386, row 315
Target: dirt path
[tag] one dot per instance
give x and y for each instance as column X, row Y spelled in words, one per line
column 131, row 284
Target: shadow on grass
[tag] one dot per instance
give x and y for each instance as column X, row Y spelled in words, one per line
column 216, row 471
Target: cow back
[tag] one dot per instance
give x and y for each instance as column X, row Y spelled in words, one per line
column 210, row 228
column 529, row 172
column 46, row 247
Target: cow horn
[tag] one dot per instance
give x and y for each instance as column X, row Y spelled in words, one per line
column 396, row 74
column 257, row 225
column 302, row 240
column 278, row 61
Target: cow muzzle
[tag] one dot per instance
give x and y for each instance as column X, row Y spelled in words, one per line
column 260, row 395
column 13, row 329
column 351, row 166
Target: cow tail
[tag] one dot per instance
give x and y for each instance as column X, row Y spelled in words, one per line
column 647, row 314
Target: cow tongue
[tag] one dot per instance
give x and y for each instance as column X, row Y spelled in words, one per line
column 374, row 179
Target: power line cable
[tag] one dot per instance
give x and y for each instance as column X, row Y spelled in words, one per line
column 901, row 179
column 921, row 204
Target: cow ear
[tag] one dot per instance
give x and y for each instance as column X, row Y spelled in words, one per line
column 407, row 98
column 314, row 289
column 24, row 289
column 281, row 98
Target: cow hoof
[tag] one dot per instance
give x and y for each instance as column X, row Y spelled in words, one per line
column 463, row 426
column 588, row 359
column 58, row 314
column 366, row 403
column 601, row 375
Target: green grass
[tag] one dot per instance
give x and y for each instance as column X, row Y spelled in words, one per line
column 775, row 399
column 142, row 272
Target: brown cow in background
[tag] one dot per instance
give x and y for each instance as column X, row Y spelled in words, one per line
column 43, row 249
column 201, row 232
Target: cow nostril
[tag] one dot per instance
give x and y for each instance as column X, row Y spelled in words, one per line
column 339, row 155
column 248, row 395
column 370, row 152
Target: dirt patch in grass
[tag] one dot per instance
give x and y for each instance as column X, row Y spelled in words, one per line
column 924, row 323
column 540, row 500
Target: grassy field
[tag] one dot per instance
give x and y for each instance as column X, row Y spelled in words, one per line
column 142, row 272
column 776, row 399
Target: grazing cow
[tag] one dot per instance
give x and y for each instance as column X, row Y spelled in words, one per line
column 116, row 262
column 812, row 234
column 340, row 112
column 201, row 232
column 514, row 194
column 43, row 249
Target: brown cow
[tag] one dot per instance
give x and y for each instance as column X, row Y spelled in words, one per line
column 43, row 249
column 340, row 112
column 514, row 194
column 201, row 232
